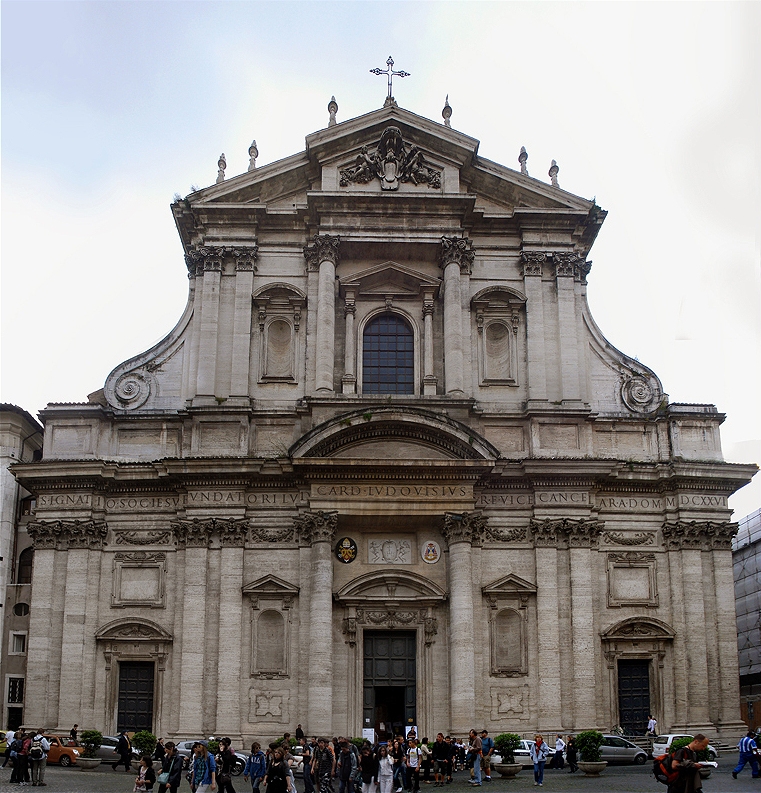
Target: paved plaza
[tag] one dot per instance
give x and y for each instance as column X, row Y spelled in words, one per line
column 628, row 779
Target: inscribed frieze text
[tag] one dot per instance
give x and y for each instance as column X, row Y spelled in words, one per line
column 407, row 492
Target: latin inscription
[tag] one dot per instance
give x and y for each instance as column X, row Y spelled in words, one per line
column 544, row 497
column 410, row 492
column 658, row 503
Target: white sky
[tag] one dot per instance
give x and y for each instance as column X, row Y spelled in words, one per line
column 109, row 108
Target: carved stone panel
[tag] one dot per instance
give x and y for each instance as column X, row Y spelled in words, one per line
column 139, row 580
column 632, row 579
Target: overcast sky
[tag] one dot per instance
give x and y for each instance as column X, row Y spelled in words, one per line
column 110, row 108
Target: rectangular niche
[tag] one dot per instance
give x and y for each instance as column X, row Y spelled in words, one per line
column 632, row 579
column 139, row 579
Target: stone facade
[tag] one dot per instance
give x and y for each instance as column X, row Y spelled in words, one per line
column 513, row 529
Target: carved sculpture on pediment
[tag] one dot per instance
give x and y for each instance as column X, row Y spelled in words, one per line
column 140, row 557
column 623, row 538
column 458, row 250
column 198, row 532
column 90, row 534
column 566, row 532
column 505, row 535
column 324, row 247
column 275, row 534
column 532, row 262
column 392, row 162
column 465, row 527
column 317, row 526
column 142, row 537
column 699, row 535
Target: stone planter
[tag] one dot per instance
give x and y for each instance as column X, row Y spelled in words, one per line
column 592, row 769
column 88, row 763
column 508, row 770
column 705, row 772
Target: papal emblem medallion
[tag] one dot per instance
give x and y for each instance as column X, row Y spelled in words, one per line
column 346, row 550
column 430, row 552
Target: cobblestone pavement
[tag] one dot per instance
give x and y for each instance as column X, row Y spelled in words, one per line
column 627, row 779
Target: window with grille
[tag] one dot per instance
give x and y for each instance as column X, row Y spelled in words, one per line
column 15, row 690
column 388, row 356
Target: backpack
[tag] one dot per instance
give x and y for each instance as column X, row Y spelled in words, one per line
column 35, row 751
column 17, row 745
column 663, row 769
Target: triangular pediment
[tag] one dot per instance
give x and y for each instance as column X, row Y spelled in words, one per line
column 270, row 585
column 509, row 585
column 390, row 279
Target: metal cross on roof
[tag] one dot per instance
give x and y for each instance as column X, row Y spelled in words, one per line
column 391, row 74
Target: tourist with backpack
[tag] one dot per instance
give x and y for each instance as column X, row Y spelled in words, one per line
column 38, row 754
column 684, row 761
column 16, row 746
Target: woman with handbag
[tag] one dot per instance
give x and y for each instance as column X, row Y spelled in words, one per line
column 171, row 769
column 226, row 761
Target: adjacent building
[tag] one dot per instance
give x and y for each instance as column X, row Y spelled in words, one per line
column 746, row 555
column 385, row 471
column 20, row 441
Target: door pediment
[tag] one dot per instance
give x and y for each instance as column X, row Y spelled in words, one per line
column 390, row 587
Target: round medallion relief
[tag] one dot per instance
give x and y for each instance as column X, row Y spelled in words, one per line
column 346, row 550
column 430, row 552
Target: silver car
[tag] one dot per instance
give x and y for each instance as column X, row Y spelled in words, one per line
column 615, row 749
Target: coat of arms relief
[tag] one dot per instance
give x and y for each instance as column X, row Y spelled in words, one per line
column 392, row 161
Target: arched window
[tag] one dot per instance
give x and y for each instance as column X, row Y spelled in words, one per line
column 24, row 571
column 388, row 356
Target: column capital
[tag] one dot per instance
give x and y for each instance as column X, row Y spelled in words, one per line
column 532, row 262
column 245, row 257
column 324, row 247
column 699, row 535
column 198, row 533
column 566, row 532
column 459, row 251
column 317, row 527
column 203, row 259
column 466, row 527
column 65, row 534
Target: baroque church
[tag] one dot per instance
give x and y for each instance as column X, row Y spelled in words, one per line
column 385, row 471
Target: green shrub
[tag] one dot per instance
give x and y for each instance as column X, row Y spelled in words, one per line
column 588, row 743
column 505, row 744
column 145, row 742
column 213, row 747
column 678, row 743
column 91, row 741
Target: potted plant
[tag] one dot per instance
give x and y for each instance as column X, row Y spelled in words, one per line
column 701, row 756
column 590, row 757
column 505, row 744
column 143, row 742
column 90, row 741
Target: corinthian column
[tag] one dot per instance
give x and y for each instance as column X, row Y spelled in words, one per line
column 457, row 256
column 245, row 267
column 429, row 381
column 323, row 256
column 537, row 372
column 319, row 529
column 208, row 263
column 460, row 531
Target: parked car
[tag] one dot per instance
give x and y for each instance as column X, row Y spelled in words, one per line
column 522, row 756
column 185, row 748
column 616, row 749
column 62, row 751
column 662, row 744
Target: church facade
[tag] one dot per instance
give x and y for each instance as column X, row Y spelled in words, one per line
column 385, row 471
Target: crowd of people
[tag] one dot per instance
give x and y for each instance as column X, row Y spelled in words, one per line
column 27, row 752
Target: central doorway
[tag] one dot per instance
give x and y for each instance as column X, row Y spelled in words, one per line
column 634, row 695
column 135, row 696
column 390, row 688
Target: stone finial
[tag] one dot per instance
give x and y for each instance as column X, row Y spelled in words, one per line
column 332, row 109
column 553, row 174
column 253, row 153
column 221, row 164
column 523, row 159
column 446, row 113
